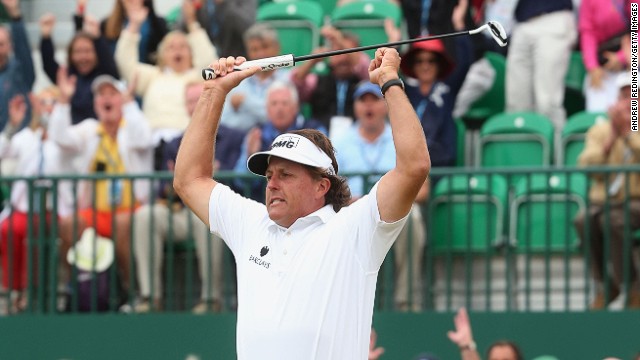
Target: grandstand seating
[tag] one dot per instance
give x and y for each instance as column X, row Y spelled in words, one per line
column 515, row 140
column 297, row 23
column 467, row 213
column 366, row 20
column 573, row 135
column 542, row 212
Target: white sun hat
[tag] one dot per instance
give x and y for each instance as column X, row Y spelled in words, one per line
column 292, row 147
column 82, row 254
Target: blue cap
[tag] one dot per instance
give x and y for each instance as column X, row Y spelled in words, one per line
column 366, row 87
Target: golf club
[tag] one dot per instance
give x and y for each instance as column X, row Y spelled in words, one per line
column 271, row 63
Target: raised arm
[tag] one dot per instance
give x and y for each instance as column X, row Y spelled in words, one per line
column 463, row 336
column 399, row 187
column 194, row 165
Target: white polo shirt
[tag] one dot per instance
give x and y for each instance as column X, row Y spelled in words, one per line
column 305, row 292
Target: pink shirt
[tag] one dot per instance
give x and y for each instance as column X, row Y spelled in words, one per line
column 600, row 20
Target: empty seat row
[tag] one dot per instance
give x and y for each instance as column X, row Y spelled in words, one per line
column 298, row 23
column 527, row 140
column 479, row 213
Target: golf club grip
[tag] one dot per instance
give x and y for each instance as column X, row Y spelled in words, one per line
column 266, row 64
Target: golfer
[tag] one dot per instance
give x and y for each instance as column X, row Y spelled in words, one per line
column 307, row 264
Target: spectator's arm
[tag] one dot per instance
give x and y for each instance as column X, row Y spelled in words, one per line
column 462, row 337
column 633, row 141
column 49, row 63
column 22, row 52
column 588, row 39
column 47, row 51
column 78, row 17
column 137, row 127
column 201, row 47
column 128, row 65
column 304, row 81
column 68, row 137
column 106, row 62
column 593, row 153
column 17, row 112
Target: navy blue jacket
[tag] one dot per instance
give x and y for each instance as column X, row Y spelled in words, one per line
column 435, row 110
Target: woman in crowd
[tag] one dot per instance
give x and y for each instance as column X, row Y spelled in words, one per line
column 87, row 58
column 180, row 60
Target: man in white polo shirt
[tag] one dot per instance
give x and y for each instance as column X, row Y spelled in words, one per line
column 307, row 265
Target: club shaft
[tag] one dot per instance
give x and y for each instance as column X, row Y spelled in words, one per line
column 369, row 47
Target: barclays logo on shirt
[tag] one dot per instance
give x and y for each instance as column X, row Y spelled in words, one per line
column 258, row 260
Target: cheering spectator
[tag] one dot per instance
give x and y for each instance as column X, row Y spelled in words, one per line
column 87, row 56
column 612, row 143
column 16, row 72
column 438, row 83
column 152, row 28
column 36, row 155
column 118, row 142
column 180, row 60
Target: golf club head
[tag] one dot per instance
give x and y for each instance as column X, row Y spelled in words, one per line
column 498, row 33
column 496, row 30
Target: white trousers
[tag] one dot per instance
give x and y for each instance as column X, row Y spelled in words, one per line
column 539, row 52
column 148, row 243
column 408, row 256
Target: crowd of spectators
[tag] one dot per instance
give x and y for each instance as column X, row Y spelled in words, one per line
column 125, row 92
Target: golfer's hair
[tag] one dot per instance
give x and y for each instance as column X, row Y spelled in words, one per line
column 261, row 31
column 507, row 343
column 280, row 85
column 339, row 194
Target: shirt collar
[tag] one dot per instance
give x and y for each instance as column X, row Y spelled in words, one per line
column 323, row 215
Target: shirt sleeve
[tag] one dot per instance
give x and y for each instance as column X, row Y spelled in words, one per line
column 232, row 217
column 375, row 237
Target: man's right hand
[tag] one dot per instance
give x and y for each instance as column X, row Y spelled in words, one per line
column 384, row 66
column 226, row 77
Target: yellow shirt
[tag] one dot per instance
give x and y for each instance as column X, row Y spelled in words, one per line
column 107, row 160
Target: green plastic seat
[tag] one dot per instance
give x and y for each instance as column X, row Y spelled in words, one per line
column 492, row 102
column 467, row 213
column 327, row 5
column 515, row 140
column 542, row 212
column 573, row 136
column 366, row 20
column 297, row 23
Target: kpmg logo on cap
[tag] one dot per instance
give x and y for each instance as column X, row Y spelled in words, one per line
column 289, row 142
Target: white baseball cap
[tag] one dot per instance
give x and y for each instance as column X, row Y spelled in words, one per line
column 107, row 80
column 292, row 147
